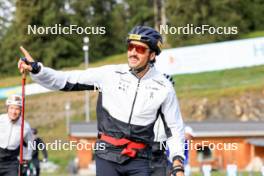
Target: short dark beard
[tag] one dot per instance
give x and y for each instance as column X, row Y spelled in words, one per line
column 146, row 66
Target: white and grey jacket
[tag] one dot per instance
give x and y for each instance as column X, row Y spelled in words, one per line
column 10, row 138
column 128, row 106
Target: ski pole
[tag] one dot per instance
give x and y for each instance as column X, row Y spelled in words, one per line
column 22, row 124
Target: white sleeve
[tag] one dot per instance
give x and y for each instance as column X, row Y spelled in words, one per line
column 174, row 126
column 159, row 131
column 70, row 80
column 27, row 151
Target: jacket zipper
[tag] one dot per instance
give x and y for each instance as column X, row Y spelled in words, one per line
column 132, row 108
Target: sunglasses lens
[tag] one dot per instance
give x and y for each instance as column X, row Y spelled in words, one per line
column 139, row 49
column 130, row 47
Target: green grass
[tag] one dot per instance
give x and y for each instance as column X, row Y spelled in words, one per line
column 220, row 83
column 11, row 81
column 253, row 34
column 116, row 59
column 59, row 157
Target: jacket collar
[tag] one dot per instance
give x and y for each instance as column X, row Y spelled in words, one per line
column 147, row 75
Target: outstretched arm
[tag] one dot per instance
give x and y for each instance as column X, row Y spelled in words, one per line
column 61, row 80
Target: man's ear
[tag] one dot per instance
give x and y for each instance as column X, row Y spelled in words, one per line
column 152, row 56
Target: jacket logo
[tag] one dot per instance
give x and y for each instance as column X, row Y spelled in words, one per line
column 122, row 86
column 134, row 37
column 151, row 88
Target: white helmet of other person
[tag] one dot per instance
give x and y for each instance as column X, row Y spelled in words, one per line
column 14, row 100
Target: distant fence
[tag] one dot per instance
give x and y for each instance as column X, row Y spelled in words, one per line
column 30, row 89
column 212, row 57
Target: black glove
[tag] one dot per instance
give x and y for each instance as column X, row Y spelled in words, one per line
column 35, row 66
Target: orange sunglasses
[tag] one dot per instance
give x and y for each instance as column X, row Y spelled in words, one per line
column 139, row 49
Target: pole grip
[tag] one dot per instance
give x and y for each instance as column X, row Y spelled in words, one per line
column 24, row 75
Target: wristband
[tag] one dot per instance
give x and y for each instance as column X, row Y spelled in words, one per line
column 179, row 158
column 35, row 66
column 176, row 169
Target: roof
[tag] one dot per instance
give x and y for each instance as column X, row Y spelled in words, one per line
column 83, row 129
column 227, row 129
column 256, row 141
column 201, row 129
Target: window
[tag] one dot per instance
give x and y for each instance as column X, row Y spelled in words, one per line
column 204, row 153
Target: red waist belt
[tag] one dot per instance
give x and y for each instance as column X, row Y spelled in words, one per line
column 131, row 147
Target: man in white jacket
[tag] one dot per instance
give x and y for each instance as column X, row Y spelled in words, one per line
column 10, row 125
column 130, row 96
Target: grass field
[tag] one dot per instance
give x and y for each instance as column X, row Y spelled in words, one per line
column 220, row 83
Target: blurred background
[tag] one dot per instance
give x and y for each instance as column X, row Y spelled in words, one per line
column 223, row 102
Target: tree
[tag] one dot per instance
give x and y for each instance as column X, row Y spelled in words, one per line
column 214, row 13
column 111, row 16
column 7, row 9
column 54, row 50
column 140, row 12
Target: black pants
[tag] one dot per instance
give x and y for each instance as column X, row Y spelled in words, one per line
column 8, row 172
column 9, row 169
column 36, row 164
column 159, row 171
column 159, row 164
column 133, row 167
column 8, row 162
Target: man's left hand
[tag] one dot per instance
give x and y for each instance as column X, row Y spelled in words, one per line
column 178, row 163
column 180, row 174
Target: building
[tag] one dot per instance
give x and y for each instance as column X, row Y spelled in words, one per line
column 85, row 133
column 215, row 143
column 223, row 143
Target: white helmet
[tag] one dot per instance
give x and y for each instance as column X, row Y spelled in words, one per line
column 14, row 100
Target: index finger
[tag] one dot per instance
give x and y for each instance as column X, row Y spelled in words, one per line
column 26, row 54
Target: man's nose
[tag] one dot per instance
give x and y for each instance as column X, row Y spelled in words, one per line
column 133, row 51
